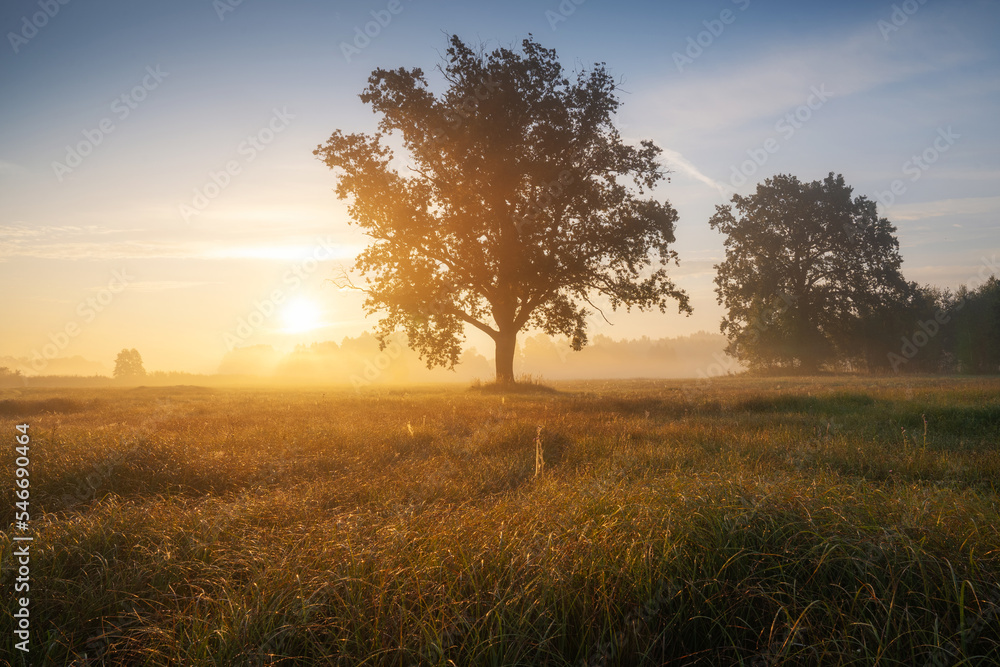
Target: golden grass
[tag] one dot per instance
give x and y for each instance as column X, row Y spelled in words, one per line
column 777, row 521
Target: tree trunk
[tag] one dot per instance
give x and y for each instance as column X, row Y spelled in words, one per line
column 506, row 342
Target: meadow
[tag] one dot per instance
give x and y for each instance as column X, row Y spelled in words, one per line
column 812, row 521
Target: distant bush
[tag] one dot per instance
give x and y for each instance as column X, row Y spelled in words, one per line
column 9, row 378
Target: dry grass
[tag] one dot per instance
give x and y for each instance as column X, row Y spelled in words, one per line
column 756, row 522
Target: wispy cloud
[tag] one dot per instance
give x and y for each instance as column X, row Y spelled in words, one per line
column 21, row 230
column 693, row 269
column 947, row 207
column 769, row 83
column 164, row 285
column 98, row 243
column 276, row 252
column 675, row 159
column 952, row 275
column 9, row 168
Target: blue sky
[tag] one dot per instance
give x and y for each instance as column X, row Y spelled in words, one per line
column 886, row 83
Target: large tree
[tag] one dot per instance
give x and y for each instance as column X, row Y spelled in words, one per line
column 805, row 265
column 518, row 203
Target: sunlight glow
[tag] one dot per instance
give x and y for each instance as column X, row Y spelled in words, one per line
column 300, row 315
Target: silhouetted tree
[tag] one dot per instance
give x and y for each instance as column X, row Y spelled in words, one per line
column 128, row 365
column 517, row 208
column 805, row 263
column 972, row 332
column 903, row 336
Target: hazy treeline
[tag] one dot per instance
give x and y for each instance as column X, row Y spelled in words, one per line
column 933, row 331
column 929, row 330
column 938, row 331
column 359, row 361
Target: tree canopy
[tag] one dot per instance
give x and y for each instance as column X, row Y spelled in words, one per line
column 518, row 203
column 807, row 268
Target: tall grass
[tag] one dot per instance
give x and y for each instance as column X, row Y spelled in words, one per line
column 756, row 522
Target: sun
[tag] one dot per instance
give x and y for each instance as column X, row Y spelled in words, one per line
column 300, row 315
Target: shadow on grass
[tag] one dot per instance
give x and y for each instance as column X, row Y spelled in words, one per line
column 981, row 420
column 173, row 389
column 835, row 403
column 26, row 408
column 494, row 388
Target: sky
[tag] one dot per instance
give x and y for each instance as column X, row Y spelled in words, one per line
column 158, row 189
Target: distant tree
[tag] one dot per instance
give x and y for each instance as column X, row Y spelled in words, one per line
column 128, row 365
column 804, row 264
column 11, row 378
column 517, row 209
column 972, row 333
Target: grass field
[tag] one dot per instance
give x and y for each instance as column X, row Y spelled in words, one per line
column 756, row 522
